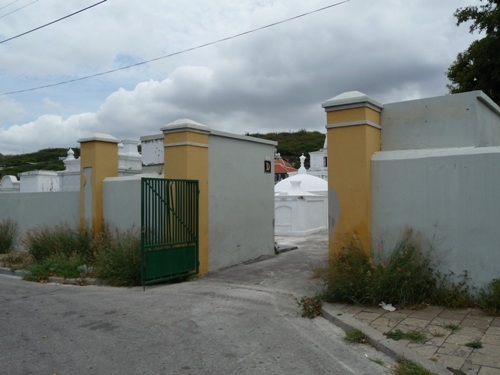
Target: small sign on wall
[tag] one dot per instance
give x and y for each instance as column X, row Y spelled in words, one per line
column 267, row 166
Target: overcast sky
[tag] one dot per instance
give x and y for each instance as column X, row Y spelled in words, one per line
column 274, row 79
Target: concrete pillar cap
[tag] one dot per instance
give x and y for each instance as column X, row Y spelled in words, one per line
column 352, row 98
column 185, row 124
column 102, row 137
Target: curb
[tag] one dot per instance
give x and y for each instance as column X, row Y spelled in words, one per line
column 9, row 272
column 56, row 280
column 285, row 248
column 376, row 339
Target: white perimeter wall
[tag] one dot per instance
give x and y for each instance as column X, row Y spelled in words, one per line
column 241, row 199
column 31, row 210
column 122, row 202
column 451, row 195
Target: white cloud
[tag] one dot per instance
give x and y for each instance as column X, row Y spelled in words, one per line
column 274, row 79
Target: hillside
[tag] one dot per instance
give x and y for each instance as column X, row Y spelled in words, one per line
column 293, row 144
column 46, row 159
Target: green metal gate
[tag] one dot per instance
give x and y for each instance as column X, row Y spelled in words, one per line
column 169, row 229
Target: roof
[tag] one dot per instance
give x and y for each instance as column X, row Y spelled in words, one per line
column 281, row 166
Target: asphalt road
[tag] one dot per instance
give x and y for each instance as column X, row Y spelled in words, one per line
column 243, row 320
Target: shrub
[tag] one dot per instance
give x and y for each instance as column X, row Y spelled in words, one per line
column 453, row 291
column 45, row 242
column 311, row 306
column 118, row 262
column 406, row 367
column 350, row 274
column 406, row 277
column 355, row 336
column 8, row 233
column 489, row 297
column 55, row 265
column 17, row 260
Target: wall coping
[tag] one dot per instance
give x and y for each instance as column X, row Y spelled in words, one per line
column 243, row 137
column 99, row 137
column 185, row 125
column 351, row 99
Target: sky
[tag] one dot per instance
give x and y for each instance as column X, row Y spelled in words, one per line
column 270, row 80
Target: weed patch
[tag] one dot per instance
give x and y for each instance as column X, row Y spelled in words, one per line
column 310, row 306
column 452, row 327
column 119, row 261
column 406, row 277
column 476, row 344
column 8, row 233
column 406, row 367
column 355, row 336
column 350, row 274
column 412, row 336
column 489, row 298
column 16, row 260
column 453, row 290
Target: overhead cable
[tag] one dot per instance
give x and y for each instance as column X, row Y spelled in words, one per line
column 17, row 9
column 6, row 5
column 174, row 53
column 50, row 23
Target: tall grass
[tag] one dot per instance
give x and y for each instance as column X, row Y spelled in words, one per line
column 68, row 252
column 406, row 277
column 8, row 233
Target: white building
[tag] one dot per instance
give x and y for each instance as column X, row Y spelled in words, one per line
column 300, row 204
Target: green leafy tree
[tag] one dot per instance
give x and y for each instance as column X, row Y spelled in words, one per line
column 478, row 67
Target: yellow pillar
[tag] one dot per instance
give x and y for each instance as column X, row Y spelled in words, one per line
column 353, row 135
column 186, row 157
column 98, row 160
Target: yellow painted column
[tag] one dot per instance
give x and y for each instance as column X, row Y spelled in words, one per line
column 353, row 135
column 186, row 157
column 98, row 160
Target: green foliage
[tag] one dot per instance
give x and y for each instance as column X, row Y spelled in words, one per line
column 407, row 277
column 489, row 297
column 291, row 145
column 452, row 327
column 119, row 261
column 406, row 367
column 44, row 242
column 59, row 264
column 16, row 260
column 46, row 159
column 8, row 233
column 73, row 253
column 476, row 344
column 310, row 306
column 412, row 336
column 453, row 291
column 355, row 336
column 350, row 274
column 478, row 67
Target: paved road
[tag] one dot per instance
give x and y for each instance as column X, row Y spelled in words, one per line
column 243, row 320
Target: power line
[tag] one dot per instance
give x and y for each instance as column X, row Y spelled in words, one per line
column 12, row 2
column 17, row 9
column 174, row 53
column 50, row 23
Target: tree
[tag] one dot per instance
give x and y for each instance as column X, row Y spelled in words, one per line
column 478, row 67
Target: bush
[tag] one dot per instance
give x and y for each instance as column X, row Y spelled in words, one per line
column 350, row 274
column 489, row 297
column 8, row 233
column 56, row 265
column 406, row 277
column 44, row 242
column 453, row 291
column 119, row 261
